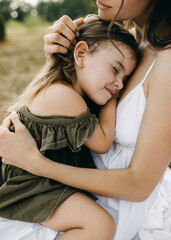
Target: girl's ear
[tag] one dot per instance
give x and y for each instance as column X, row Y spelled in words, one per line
column 80, row 52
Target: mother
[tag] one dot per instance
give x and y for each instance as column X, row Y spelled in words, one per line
column 134, row 166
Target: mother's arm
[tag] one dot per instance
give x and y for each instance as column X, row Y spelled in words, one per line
column 150, row 159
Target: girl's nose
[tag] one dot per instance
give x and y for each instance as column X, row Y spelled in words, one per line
column 118, row 84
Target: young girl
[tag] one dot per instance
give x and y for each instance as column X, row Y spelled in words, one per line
column 55, row 112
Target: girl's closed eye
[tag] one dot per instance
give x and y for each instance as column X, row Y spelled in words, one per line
column 116, row 71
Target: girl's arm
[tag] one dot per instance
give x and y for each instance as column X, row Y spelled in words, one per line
column 150, row 159
column 103, row 136
column 48, row 102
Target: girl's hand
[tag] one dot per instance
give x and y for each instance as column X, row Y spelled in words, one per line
column 60, row 36
column 17, row 148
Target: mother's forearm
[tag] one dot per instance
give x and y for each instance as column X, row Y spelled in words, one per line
column 114, row 183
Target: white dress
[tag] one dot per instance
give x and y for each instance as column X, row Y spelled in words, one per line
column 130, row 216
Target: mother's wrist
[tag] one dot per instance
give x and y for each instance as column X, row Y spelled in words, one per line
column 40, row 165
column 32, row 162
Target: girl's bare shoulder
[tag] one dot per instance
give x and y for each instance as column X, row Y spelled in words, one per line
column 60, row 99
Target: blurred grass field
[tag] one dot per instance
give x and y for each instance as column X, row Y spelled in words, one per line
column 21, row 57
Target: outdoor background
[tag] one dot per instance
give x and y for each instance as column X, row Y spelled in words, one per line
column 23, row 24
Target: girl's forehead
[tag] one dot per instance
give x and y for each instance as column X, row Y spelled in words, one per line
column 109, row 53
column 118, row 47
column 112, row 51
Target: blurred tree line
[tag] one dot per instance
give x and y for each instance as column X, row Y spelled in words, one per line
column 49, row 10
column 53, row 10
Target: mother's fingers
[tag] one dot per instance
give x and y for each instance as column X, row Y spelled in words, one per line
column 6, row 122
column 19, row 127
column 60, row 36
column 79, row 21
column 6, row 161
column 68, row 22
column 58, row 39
column 50, row 49
column 63, row 29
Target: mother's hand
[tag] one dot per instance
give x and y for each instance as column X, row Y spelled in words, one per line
column 17, row 148
column 60, row 36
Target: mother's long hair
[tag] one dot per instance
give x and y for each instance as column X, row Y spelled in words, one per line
column 158, row 26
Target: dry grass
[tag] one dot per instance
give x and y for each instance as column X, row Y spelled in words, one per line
column 21, row 58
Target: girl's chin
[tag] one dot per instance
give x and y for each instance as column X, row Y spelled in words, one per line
column 102, row 102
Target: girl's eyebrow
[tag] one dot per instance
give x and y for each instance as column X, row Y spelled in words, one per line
column 121, row 65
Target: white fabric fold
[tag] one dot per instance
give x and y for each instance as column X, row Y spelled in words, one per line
column 157, row 225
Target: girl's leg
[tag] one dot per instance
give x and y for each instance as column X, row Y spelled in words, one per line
column 79, row 217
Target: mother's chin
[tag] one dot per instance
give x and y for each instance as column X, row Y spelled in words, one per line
column 105, row 12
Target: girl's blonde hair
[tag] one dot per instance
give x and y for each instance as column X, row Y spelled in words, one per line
column 61, row 69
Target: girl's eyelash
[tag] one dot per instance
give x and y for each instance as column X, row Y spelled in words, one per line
column 116, row 70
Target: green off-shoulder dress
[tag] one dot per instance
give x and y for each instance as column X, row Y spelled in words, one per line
column 30, row 198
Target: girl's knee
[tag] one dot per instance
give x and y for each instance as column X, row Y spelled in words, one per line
column 103, row 226
column 108, row 228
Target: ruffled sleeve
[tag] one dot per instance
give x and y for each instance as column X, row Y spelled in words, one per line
column 56, row 132
column 78, row 133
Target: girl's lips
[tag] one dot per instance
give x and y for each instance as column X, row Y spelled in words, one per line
column 111, row 91
column 102, row 6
